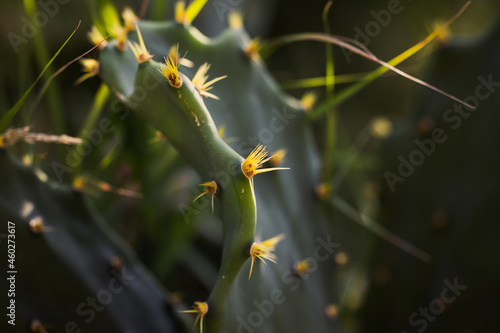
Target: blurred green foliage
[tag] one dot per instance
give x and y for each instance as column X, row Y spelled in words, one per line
column 185, row 257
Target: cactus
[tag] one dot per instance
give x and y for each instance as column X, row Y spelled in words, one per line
column 249, row 104
column 278, row 246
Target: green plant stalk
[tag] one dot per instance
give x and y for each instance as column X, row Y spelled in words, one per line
column 189, row 127
column 24, row 82
column 101, row 97
column 3, row 92
column 331, row 118
column 159, row 9
column 321, row 81
column 54, row 97
column 269, row 47
column 95, row 14
column 108, row 158
column 194, row 9
column 104, row 15
column 353, row 89
column 249, row 94
column 4, row 122
column 108, row 14
column 345, row 94
column 378, row 229
column 272, row 45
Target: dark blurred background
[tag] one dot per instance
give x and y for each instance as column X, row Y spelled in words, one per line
column 447, row 206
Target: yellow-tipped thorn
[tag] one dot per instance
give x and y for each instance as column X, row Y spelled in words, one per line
column 129, row 18
column 139, row 50
column 173, row 53
column 252, row 49
column 120, row 33
column 264, row 250
column 235, row 20
column 200, row 78
column 210, row 187
column 90, row 68
column 96, row 37
column 200, row 308
column 180, row 12
column 171, row 68
column 251, row 165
